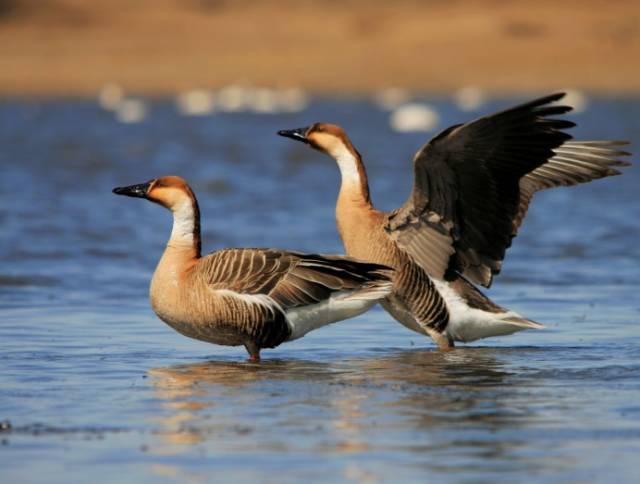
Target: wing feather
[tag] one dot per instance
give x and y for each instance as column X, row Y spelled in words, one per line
column 574, row 162
column 473, row 184
column 291, row 279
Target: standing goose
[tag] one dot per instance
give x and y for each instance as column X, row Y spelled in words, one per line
column 258, row 298
column 472, row 186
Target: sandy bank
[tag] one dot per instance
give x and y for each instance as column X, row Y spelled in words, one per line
column 162, row 46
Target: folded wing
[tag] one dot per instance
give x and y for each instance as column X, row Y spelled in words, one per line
column 291, row 279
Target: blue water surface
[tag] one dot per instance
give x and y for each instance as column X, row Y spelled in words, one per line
column 94, row 388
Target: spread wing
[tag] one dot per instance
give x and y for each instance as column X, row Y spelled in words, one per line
column 292, row 279
column 574, row 162
column 473, row 184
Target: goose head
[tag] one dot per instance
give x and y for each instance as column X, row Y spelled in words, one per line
column 326, row 138
column 171, row 192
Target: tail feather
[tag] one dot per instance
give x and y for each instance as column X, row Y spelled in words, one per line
column 487, row 326
column 522, row 322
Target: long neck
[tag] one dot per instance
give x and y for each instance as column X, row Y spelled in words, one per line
column 354, row 210
column 355, row 186
column 185, row 235
column 180, row 255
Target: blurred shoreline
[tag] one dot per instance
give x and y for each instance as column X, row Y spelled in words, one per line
column 159, row 47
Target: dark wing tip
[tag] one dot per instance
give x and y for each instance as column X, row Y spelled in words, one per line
column 557, row 95
column 552, row 97
column 545, row 100
column 542, row 106
column 557, row 124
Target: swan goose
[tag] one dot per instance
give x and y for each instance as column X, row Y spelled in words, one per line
column 258, row 298
column 472, row 186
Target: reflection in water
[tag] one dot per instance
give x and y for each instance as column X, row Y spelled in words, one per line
column 187, row 390
column 422, row 402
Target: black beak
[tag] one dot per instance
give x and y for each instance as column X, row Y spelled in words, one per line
column 138, row 191
column 299, row 134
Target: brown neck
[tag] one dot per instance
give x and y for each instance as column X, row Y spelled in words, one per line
column 364, row 181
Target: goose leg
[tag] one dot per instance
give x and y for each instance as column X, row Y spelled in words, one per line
column 253, row 350
column 444, row 342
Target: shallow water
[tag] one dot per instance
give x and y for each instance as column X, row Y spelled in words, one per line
column 93, row 386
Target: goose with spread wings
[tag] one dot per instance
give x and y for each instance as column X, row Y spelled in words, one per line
column 473, row 184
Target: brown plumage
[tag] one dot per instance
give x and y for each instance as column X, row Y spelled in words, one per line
column 472, row 187
column 258, row 298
